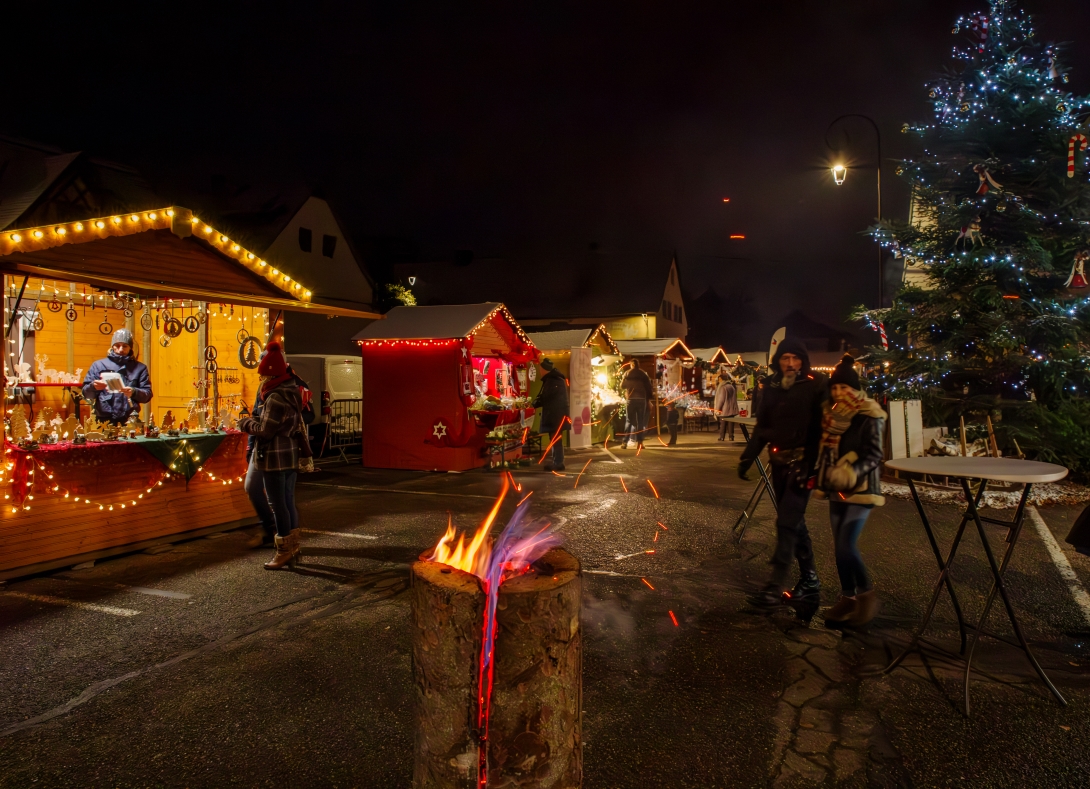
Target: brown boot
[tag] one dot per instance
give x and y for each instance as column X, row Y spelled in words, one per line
column 284, row 554
column 297, row 542
column 865, row 609
column 842, row 612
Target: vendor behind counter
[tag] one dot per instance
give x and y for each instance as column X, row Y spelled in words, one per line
column 111, row 405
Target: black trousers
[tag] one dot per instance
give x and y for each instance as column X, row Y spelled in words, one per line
column 792, row 536
column 724, row 427
column 673, row 433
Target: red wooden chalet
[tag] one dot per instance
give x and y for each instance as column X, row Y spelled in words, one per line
column 427, row 372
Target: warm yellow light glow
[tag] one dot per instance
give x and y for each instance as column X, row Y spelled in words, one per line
column 79, row 227
column 261, row 263
column 116, row 220
column 207, row 229
column 287, row 278
column 61, row 231
column 235, row 247
column 170, row 212
column 134, row 218
column 195, row 221
column 275, row 272
column 223, row 239
column 308, row 294
column 100, row 224
column 16, row 237
column 601, row 379
column 839, row 173
column 38, row 234
column 249, row 255
column 153, row 216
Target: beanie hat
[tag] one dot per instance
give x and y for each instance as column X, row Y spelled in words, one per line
column 547, row 363
column 273, row 362
column 122, row 335
column 845, row 373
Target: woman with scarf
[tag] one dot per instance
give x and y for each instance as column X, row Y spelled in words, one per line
column 849, row 476
column 280, row 435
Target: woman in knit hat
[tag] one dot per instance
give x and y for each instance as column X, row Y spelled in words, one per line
column 277, row 451
column 848, row 475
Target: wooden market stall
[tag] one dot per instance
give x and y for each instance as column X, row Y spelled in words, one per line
column 668, row 362
column 590, row 360
column 198, row 304
column 445, row 388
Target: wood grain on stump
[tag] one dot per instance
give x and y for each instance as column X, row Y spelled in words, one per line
column 448, row 620
column 535, row 727
column 535, row 730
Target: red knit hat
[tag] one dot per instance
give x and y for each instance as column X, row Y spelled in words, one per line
column 273, row 362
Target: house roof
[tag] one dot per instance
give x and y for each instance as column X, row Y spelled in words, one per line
column 165, row 251
column 656, row 347
column 13, row 205
column 588, row 284
column 560, row 340
column 710, row 355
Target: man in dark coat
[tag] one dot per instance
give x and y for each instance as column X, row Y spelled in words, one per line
column 552, row 399
column 789, row 424
column 638, row 394
column 112, row 405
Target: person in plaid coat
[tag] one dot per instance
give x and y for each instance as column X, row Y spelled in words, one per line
column 280, row 441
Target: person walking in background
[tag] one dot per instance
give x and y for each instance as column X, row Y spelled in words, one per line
column 789, row 424
column 552, row 399
column 638, row 394
column 672, row 418
column 278, row 448
column 725, row 405
column 849, row 476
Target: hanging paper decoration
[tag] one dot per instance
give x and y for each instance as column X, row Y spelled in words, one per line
column 1077, row 277
column 1076, row 139
column 985, row 176
column 979, row 26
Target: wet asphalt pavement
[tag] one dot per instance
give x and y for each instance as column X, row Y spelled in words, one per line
column 191, row 666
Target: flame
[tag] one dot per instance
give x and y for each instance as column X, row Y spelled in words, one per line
column 475, row 557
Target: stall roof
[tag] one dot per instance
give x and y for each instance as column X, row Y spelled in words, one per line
column 656, row 347
column 571, row 338
column 163, row 252
column 711, row 355
column 490, row 324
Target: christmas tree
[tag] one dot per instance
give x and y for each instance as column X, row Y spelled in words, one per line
column 999, row 322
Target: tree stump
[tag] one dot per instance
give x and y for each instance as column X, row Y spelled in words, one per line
column 536, row 727
column 448, row 622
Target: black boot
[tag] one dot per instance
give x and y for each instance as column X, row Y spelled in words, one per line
column 808, row 585
column 770, row 597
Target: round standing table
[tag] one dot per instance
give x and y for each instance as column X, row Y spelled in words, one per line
column 984, row 469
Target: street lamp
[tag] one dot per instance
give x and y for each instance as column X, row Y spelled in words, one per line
column 840, row 172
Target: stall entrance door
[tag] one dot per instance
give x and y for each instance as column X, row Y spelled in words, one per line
column 173, row 375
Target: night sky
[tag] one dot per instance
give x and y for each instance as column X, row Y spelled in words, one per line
column 511, row 128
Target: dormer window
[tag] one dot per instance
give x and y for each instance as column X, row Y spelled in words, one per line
column 305, row 239
column 329, row 244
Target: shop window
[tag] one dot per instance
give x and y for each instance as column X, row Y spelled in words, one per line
column 665, row 308
column 677, row 313
column 305, row 239
column 329, row 243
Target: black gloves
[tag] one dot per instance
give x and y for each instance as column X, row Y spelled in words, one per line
column 743, row 468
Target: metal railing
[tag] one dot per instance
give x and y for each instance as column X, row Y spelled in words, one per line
column 344, row 425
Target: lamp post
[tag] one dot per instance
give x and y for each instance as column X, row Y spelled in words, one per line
column 840, row 172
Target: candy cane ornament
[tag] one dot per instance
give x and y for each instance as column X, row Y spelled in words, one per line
column 882, row 334
column 1080, row 139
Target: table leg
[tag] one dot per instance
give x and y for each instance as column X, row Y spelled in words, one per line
column 938, row 558
column 944, row 576
column 998, row 586
column 764, row 485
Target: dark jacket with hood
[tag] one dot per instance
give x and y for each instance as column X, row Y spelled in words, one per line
column 277, row 427
column 789, row 419
column 115, row 406
column 552, row 399
column 637, row 385
column 308, row 411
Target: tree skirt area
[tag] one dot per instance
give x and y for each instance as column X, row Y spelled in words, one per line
column 1042, row 495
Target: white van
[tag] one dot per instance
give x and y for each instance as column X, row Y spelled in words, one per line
column 336, row 383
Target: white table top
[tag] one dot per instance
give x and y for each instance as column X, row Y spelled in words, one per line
column 996, row 469
column 741, row 420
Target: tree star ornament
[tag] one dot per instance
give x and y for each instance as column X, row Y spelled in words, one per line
column 440, row 430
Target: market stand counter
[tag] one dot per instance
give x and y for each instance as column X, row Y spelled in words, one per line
column 67, row 503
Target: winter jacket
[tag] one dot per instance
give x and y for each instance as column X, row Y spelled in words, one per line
column 115, row 406
column 861, row 446
column 552, row 399
column 637, row 385
column 277, row 429
column 726, row 399
column 789, row 420
column 308, row 412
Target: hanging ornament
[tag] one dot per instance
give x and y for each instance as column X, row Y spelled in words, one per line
column 54, row 305
column 964, row 107
column 210, row 353
column 1076, row 280
column 249, row 352
column 985, row 176
column 164, row 341
column 1061, row 107
column 956, row 29
column 1001, row 207
column 106, row 327
column 172, row 327
column 70, row 313
column 192, row 324
column 1053, row 72
column 146, row 321
column 242, row 335
column 38, row 323
column 202, row 316
column 882, row 334
column 970, row 233
column 899, row 170
column 1076, row 139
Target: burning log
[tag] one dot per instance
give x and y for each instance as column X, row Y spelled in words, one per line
column 447, row 616
column 534, row 731
column 535, row 734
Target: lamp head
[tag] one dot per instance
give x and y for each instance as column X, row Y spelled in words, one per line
column 839, row 173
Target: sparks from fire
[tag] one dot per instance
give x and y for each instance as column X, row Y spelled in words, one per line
column 623, row 485
column 649, row 586
column 652, row 484
column 674, row 618
column 581, row 473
